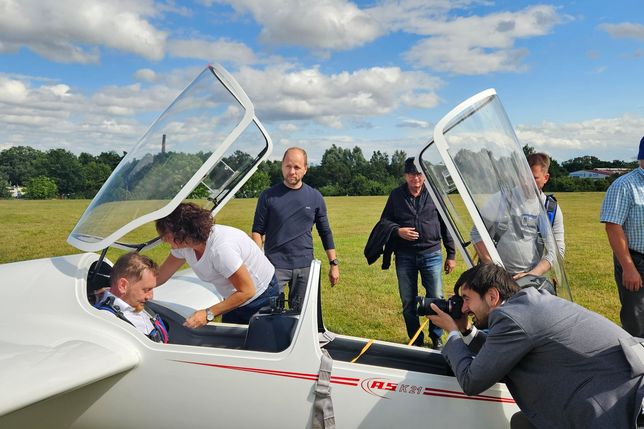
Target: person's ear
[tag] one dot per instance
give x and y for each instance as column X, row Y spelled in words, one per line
column 494, row 297
column 546, row 177
column 122, row 285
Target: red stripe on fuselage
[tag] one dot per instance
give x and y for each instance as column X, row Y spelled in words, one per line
column 351, row 381
column 348, row 381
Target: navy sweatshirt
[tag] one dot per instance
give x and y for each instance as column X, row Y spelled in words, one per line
column 285, row 217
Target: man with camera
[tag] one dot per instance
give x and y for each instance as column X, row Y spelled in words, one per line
column 565, row 366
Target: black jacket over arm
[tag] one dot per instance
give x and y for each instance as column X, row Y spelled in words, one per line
column 380, row 243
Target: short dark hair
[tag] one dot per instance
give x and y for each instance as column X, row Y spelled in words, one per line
column 540, row 159
column 132, row 266
column 187, row 221
column 480, row 278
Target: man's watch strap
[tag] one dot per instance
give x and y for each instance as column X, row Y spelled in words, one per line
column 334, row 261
column 210, row 316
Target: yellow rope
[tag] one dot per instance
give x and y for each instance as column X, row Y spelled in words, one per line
column 418, row 332
column 364, row 349
column 370, row 342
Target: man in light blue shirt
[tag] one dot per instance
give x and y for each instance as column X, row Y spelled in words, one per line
column 623, row 213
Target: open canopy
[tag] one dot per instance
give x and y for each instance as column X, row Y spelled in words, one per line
column 208, row 135
column 480, row 180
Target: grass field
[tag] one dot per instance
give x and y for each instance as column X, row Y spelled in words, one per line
column 366, row 302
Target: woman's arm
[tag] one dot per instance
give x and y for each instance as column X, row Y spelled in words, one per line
column 168, row 268
column 244, row 290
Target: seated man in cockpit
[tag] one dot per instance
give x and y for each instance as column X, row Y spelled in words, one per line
column 519, row 231
column 131, row 282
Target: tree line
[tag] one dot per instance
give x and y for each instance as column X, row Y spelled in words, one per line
column 59, row 173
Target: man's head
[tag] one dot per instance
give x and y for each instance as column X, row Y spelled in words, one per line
column 132, row 279
column 640, row 155
column 539, row 164
column 294, row 167
column 414, row 178
column 187, row 224
column 483, row 288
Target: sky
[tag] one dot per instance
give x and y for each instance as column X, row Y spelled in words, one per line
column 92, row 75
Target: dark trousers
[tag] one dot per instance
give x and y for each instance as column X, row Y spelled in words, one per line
column 632, row 312
column 243, row 314
column 297, row 279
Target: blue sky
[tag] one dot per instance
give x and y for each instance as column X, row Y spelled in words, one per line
column 90, row 75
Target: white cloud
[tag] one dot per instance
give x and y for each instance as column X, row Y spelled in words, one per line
column 147, row 75
column 414, row 123
column 288, row 127
column 319, row 25
column 12, row 91
column 54, row 115
column 286, row 93
column 454, row 46
column 219, row 51
column 624, row 30
column 72, row 30
column 607, row 139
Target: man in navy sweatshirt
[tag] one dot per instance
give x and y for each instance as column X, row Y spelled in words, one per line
column 283, row 223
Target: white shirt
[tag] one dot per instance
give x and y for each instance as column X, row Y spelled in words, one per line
column 227, row 248
column 140, row 319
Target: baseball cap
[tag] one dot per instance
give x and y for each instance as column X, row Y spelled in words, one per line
column 410, row 167
column 640, row 156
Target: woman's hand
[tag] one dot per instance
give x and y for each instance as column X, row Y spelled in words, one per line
column 197, row 320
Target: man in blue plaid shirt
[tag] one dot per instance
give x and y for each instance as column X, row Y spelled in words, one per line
column 623, row 213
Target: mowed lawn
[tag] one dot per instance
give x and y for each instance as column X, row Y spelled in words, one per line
column 366, row 302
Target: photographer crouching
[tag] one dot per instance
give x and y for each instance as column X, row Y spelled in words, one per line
column 565, row 366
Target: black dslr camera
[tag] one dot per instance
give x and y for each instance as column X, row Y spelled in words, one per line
column 451, row 306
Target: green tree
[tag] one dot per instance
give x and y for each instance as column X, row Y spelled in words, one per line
column 528, row 150
column 20, row 163
column 378, row 166
column 95, row 174
column 40, row 188
column 4, row 187
column 66, row 170
column 255, row 185
column 111, row 159
column 397, row 166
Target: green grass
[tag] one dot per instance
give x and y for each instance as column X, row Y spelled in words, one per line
column 365, row 303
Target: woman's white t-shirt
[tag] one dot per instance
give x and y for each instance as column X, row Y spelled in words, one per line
column 227, row 249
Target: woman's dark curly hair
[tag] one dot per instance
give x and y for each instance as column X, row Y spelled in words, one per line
column 187, row 222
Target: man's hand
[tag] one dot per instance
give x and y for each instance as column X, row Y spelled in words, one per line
column 197, row 320
column 631, row 279
column 450, row 264
column 517, row 276
column 445, row 321
column 334, row 275
column 408, row 233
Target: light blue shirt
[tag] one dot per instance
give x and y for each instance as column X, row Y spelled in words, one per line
column 624, row 205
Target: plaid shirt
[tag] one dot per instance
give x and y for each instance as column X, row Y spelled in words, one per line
column 624, row 205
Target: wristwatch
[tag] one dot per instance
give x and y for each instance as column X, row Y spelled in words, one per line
column 210, row 316
column 334, row 261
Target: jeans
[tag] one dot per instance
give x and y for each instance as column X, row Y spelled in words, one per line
column 243, row 314
column 430, row 266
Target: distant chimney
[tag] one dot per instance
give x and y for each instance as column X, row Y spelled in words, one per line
column 163, row 144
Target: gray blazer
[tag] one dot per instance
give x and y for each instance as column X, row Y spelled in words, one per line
column 563, row 364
